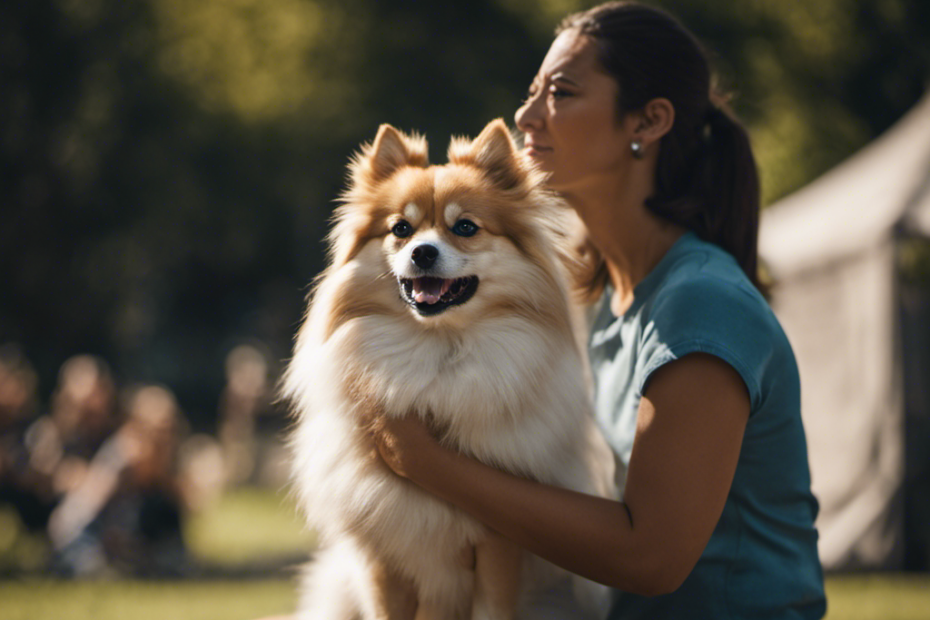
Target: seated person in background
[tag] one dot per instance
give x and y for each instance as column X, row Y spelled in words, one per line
column 126, row 512
column 28, row 490
column 82, row 415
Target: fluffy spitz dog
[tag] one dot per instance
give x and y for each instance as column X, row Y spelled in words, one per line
column 444, row 298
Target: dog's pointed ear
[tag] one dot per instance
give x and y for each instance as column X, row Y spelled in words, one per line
column 494, row 148
column 390, row 151
column 494, row 153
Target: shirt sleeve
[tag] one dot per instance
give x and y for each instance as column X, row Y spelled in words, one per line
column 708, row 314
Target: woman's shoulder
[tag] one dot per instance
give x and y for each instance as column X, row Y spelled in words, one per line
column 705, row 303
column 700, row 277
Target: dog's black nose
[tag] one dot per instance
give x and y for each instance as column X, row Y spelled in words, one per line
column 423, row 256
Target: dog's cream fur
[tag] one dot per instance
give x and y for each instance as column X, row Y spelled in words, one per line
column 499, row 376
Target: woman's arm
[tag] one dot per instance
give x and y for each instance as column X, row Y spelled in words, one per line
column 688, row 438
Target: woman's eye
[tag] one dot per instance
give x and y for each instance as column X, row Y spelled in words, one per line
column 559, row 93
column 402, row 229
column 465, row 228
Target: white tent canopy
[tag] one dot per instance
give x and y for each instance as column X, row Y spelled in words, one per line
column 856, row 204
column 831, row 249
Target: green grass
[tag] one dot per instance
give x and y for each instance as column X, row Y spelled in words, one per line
column 878, row 597
column 859, row 597
column 248, row 525
column 253, row 527
column 154, row 600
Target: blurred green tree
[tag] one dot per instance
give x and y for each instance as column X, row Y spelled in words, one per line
column 168, row 167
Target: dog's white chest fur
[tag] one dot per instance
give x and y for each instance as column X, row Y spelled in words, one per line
column 508, row 396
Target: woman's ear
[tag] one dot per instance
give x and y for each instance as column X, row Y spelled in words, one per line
column 655, row 120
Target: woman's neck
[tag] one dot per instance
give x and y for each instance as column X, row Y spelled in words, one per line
column 629, row 236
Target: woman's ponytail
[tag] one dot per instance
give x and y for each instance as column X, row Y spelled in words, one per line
column 714, row 190
column 731, row 188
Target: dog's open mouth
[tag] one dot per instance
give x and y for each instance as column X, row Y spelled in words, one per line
column 433, row 295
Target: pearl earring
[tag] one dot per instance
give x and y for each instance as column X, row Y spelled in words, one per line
column 637, row 147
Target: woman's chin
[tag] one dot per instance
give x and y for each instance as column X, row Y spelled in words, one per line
column 556, row 183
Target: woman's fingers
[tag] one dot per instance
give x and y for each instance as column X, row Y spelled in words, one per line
column 403, row 443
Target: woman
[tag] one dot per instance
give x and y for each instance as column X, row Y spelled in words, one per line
column 696, row 386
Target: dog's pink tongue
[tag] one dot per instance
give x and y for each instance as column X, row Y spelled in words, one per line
column 429, row 290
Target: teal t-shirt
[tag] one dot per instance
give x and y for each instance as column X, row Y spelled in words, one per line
column 761, row 561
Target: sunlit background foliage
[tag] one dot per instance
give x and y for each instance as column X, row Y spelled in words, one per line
column 168, row 166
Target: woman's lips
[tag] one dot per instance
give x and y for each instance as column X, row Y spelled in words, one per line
column 534, row 150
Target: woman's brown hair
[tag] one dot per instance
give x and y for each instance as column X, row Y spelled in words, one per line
column 706, row 177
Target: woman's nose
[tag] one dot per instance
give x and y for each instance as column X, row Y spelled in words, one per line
column 527, row 115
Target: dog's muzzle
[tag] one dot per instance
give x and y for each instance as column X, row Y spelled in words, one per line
column 430, row 296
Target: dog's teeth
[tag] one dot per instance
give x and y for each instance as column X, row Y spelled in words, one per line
column 428, row 290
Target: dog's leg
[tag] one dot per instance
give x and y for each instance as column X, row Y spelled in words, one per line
column 329, row 585
column 389, row 596
column 498, row 570
column 450, row 588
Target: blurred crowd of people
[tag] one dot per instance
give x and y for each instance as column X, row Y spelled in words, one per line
column 106, row 474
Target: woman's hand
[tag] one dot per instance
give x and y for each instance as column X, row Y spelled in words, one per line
column 404, row 444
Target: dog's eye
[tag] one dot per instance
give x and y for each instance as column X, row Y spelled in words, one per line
column 402, row 229
column 465, row 228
